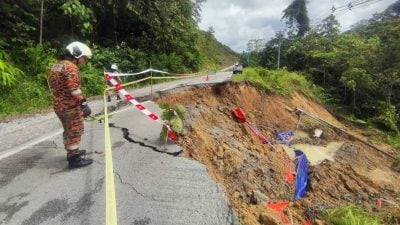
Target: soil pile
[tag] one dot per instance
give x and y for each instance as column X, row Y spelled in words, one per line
column 253, row 173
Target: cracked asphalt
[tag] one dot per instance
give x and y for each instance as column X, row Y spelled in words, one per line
column 152, row 187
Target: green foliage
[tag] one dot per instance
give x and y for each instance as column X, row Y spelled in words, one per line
column 28, row 97
column 350, row 215
column 357, row 69
column 280, row 81
column 169, row 62
column 323, row 95
column 37, row 61
column 9, row 73
column 357, row 78
column 213, row 54
column 93, row 82
column 18, row 21
column 330, row 27
column 387, row 118
column 135, row 34
column 78, row 12
column 394, row 140
column 174, row 117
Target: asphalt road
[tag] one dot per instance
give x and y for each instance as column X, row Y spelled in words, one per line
column 152, row 186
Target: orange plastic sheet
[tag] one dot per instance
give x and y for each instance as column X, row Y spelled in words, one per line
column 279, row 207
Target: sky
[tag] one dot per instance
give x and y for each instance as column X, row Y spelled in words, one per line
column 235, row 22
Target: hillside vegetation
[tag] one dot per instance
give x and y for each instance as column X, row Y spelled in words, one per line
column 134, row 34
column 213, row 53
column 358, row 71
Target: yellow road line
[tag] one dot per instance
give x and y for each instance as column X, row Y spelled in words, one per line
column 111, row 204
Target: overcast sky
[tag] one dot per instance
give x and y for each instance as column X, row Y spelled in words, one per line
column 235, row 22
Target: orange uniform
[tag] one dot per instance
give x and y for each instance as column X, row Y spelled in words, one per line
column 64, row 80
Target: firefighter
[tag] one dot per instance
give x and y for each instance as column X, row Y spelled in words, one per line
column 69, row 102
column 113, row 69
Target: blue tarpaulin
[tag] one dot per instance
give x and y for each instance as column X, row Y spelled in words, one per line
column 301, row 175
column 284, row 137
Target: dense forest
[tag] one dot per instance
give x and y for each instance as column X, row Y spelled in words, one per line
column 359, row 69
column 136, row 34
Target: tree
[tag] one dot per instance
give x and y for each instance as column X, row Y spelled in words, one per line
column 393, row 10
column 389, row 79
column 357, row 79
column 296, row 17
column 80, row 16
column 18, row 21
column 330, row 27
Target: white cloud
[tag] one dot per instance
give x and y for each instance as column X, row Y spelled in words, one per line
column 237, row 21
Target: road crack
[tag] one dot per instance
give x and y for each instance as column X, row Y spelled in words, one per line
column 125, row 133
column 132, row 187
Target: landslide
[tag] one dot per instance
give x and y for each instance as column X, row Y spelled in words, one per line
column 253, row 173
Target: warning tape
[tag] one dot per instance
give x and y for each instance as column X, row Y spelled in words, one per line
column 153, row 70
column 156, row 78
column 111, row 205
column 135, row 74
column 132, row 100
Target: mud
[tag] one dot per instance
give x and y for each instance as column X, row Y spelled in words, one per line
column 253, row 173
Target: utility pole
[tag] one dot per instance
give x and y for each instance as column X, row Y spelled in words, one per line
column 41, row 22
column 279, row 49
column 248, row 58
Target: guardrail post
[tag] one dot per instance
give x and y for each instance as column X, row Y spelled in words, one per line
column 151, row 83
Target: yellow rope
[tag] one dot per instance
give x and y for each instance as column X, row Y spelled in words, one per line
column 111, row 205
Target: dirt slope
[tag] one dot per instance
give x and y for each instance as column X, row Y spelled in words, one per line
column 253, row 173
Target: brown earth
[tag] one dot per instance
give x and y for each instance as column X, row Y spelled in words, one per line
column 253, row 173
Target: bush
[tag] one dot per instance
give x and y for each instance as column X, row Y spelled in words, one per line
column 9, row 73
column 170, row 63
column 280, row 81
column 28, row 97
column 350, row 215
column 173, row 117
column 387, row 118
column 36, row 61
column 394, row 141
column 93, row 82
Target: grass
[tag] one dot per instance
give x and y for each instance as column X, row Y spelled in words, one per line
column 350, row 215
column 394, row 141
column 279, row 81
column 28, row 97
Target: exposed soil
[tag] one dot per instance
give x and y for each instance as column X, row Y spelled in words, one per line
column 253, row 173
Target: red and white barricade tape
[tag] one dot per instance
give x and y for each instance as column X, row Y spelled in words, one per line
column 154, row 70
column 132, row 100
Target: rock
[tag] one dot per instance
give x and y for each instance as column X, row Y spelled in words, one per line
column 258, row 197
column 320, row 222
column 220, row 152
column 367, row 207
column 364, row 196
column 248, row 188
column 267, row 186
column 269, row 219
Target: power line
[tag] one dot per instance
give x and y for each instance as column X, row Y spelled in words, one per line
column 343, row 9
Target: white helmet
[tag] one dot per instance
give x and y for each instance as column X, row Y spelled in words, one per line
column 78, row 49
column 114, row 66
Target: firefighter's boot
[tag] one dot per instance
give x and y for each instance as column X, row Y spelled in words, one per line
column 77, row 160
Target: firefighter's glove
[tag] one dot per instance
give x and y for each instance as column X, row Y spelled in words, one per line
column 85, row 108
